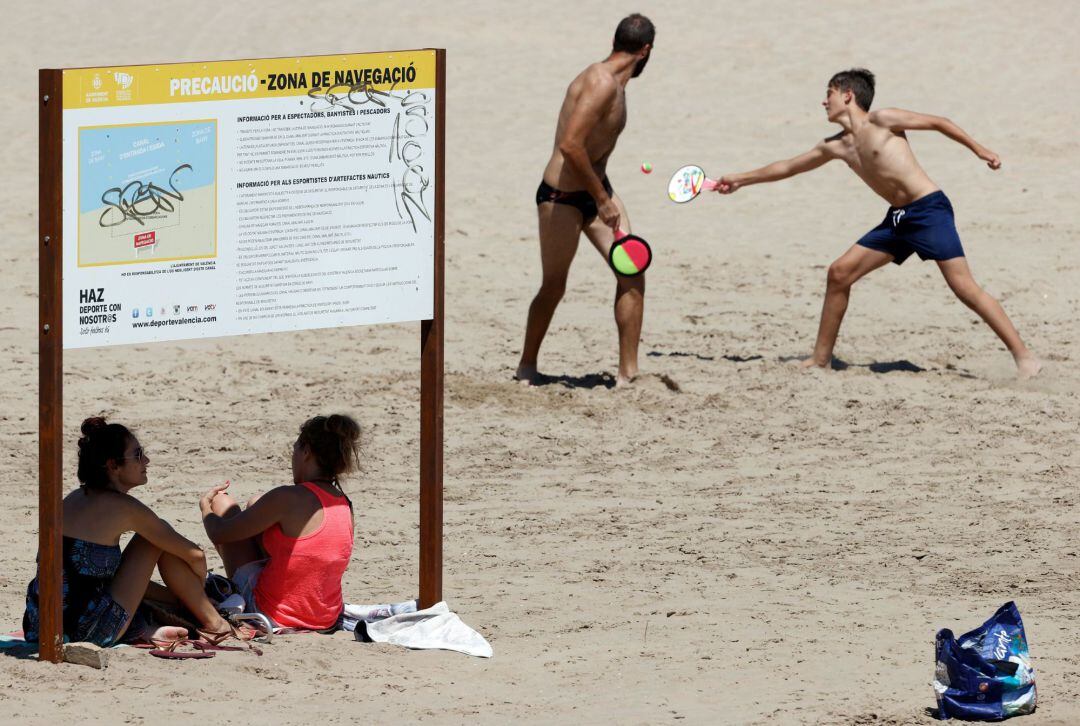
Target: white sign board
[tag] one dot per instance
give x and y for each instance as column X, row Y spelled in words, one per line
column 211, row 199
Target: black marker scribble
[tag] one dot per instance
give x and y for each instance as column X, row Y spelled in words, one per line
column 404, row 147
column 140, row 199
column 409, row 191
column 344, row 95
column 413, row 185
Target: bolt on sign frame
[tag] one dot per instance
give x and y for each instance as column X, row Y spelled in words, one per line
column 354, row 87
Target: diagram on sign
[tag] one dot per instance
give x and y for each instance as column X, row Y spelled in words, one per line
column 147, row 193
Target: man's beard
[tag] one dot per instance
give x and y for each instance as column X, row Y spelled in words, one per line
column 640, row 66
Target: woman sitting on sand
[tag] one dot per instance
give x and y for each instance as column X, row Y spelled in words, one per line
column 104, row 586
column 289, row 548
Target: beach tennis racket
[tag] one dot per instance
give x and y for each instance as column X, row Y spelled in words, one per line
column 688, row 182
column 629, row 255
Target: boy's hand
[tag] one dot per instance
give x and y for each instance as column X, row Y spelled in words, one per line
column 992, row 160
column 727, row 185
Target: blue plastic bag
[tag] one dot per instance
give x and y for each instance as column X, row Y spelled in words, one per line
column 985, row 675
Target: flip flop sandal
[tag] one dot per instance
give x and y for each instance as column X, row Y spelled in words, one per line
column 181, row 655
column 168, row 649
column 211, row 640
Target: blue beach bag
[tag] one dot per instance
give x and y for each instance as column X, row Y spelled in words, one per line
column 985, row 675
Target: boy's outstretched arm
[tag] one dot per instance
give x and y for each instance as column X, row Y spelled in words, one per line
column 897, row 119
column 777, row 170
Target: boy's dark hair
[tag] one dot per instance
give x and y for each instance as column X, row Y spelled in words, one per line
column 633, row 33
column 857, row 80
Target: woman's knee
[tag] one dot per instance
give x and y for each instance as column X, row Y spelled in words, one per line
column 224, row 506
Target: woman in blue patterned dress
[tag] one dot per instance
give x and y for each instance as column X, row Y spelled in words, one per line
column 102, row 585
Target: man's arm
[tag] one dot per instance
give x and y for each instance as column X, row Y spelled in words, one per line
column 597, row 96
column 897, row 119
column 778, row 169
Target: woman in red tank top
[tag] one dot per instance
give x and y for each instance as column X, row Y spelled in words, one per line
column 289, row 548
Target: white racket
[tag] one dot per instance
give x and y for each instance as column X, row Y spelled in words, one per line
column 688, row 182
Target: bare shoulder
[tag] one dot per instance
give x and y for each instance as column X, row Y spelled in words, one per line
column 832, row 146
column 284, row 496
column 888, row 118
column 121, row 501
column 129, row 509
column 599, row 81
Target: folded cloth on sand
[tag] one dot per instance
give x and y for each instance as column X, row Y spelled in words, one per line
column 433, row 628
column 15, row 640
column 353, row 614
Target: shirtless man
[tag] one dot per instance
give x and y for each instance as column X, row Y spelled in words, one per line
column 920, row 217
column 575, row 195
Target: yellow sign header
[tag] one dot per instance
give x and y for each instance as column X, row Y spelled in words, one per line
column 321, row 76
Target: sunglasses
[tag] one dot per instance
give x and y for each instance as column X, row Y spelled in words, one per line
column 138, row 455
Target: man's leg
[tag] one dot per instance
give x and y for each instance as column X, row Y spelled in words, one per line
column 629, row 297
column 560, row 228
column 958, row 275
column 843, row 273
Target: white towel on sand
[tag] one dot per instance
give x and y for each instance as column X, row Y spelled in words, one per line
column 435, row 627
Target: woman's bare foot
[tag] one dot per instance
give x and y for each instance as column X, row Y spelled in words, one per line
column 1027, row 366
column 168, row 634
column 527, row 375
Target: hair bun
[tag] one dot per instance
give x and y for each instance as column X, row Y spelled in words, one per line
column 101, row 442
column 93, row 424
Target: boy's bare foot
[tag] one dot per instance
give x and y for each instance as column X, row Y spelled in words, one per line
column 1027, row 366
column 526, row 375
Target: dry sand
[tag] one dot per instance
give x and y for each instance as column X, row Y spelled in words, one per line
column 729, row 541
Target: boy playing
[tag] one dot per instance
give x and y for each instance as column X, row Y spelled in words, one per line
column 920, row 217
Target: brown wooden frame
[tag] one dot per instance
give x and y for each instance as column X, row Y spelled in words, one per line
column 50, row 361
column 51, row 368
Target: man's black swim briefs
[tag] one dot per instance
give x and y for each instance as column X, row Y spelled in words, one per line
column 581, row 201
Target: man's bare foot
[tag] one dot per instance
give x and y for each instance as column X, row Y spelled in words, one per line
column 812, row 363
column 168, row 634
column 626, row 376
column 1027, row 366
column 527, row 375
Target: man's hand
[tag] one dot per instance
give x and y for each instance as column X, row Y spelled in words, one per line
column 609, row 213
column 992, row 160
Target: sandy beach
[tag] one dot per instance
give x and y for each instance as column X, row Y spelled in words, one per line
column 727, row 541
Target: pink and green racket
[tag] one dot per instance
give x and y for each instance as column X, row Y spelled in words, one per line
column 688, row 182
column 629, row 255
